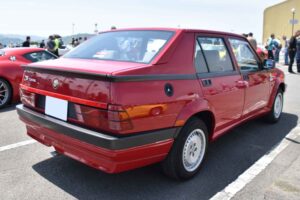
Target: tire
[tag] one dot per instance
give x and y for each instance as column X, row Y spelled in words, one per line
column 274, row 115
column 5, row 93
column 188, row 151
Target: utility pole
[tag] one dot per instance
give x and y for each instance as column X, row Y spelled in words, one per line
column 293, row 21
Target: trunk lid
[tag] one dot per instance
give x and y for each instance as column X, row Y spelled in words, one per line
column 74, row 79
column 98, row 67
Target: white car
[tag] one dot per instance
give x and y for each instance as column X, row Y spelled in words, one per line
column 64, row 49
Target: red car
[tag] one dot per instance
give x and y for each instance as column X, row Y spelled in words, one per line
column 129, row 98
column 11, row 72
column 262, row 52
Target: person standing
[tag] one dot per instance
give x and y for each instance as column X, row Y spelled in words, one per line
column 51, row 44
column 271, row 45
column 56, row 43
column 76, row 42
column 252, row 40
column 298, row 55
column 286, row 52
column 27, row 42
column 278, row 47
column 292, row 50
column 42, row 44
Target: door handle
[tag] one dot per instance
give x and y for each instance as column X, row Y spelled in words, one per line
column 242, row 84
column 245, row 77
column 206, row 83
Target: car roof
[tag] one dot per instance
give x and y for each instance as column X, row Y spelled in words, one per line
column 178, row 30
column 20, row 51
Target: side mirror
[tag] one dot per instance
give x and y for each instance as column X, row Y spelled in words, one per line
column 269, row 64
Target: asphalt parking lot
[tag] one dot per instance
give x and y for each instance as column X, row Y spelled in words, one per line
column 30, row 172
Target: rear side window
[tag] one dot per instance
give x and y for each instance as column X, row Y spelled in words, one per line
column 215, row 54
column 39, row 56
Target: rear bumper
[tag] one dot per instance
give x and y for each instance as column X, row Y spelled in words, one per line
column 108, row 153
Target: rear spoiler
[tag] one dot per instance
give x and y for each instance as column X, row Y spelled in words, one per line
column 111, row 78
column 72, row 73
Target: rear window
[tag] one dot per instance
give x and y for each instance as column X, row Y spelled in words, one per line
column 130, row 46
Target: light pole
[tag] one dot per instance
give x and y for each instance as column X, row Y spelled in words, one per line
column 96, row 28
column 73, row 28
column 293, row 22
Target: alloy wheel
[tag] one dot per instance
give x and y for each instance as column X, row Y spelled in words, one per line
column 194, row 150
column 4, row 93
column 278, row 105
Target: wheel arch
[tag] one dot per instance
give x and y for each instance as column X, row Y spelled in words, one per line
column 208, row 118
column 11, row 87
column 200, row 109
column 282, row 86
column 279, row 86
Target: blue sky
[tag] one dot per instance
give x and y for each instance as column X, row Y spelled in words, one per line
column 40, row 17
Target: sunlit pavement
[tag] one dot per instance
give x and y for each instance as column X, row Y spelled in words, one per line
column 30, row 172
column 281, row 180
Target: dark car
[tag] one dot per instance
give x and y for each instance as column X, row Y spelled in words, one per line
column 129, row 98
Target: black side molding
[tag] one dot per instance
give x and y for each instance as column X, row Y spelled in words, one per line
column 93, row 137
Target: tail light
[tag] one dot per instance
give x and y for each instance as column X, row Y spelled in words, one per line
column 118, row 118
column 27, row 98
column 112, row 120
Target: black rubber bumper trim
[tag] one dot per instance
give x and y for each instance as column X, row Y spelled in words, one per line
column 93, row 137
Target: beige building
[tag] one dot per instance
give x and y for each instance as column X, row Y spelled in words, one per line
column 277, row 19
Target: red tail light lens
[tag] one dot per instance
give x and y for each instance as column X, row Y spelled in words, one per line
column 27, row 98
column 114, row 120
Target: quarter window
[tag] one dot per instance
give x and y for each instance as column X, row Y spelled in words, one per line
column 39, row 56
column 200, row 63
column 245, row 57
column 216, row 54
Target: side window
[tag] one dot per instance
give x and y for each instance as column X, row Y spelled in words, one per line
column 200, row 63
column 39, row 56
column 216, row 54
column 244, row 56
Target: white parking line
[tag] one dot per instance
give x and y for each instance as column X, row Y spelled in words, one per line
column 233, row 188
column 15, row 145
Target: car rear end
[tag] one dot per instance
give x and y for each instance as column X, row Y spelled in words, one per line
column 68, row 104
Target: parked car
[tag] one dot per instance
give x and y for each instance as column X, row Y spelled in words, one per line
column 262, row 52
column 11, row 71
column 129, row 98
column 64, row 49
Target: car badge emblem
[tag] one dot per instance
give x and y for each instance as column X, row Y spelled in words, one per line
column 55, row 84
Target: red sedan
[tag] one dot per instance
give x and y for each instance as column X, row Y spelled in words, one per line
column 129, row 98
column 11, row 71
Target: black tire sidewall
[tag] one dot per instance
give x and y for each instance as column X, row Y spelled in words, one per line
column 179, row 145
column 9, row 92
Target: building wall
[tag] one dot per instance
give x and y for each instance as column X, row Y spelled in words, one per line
column 276, row 19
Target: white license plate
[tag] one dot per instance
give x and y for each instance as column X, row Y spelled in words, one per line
column 57, row 108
